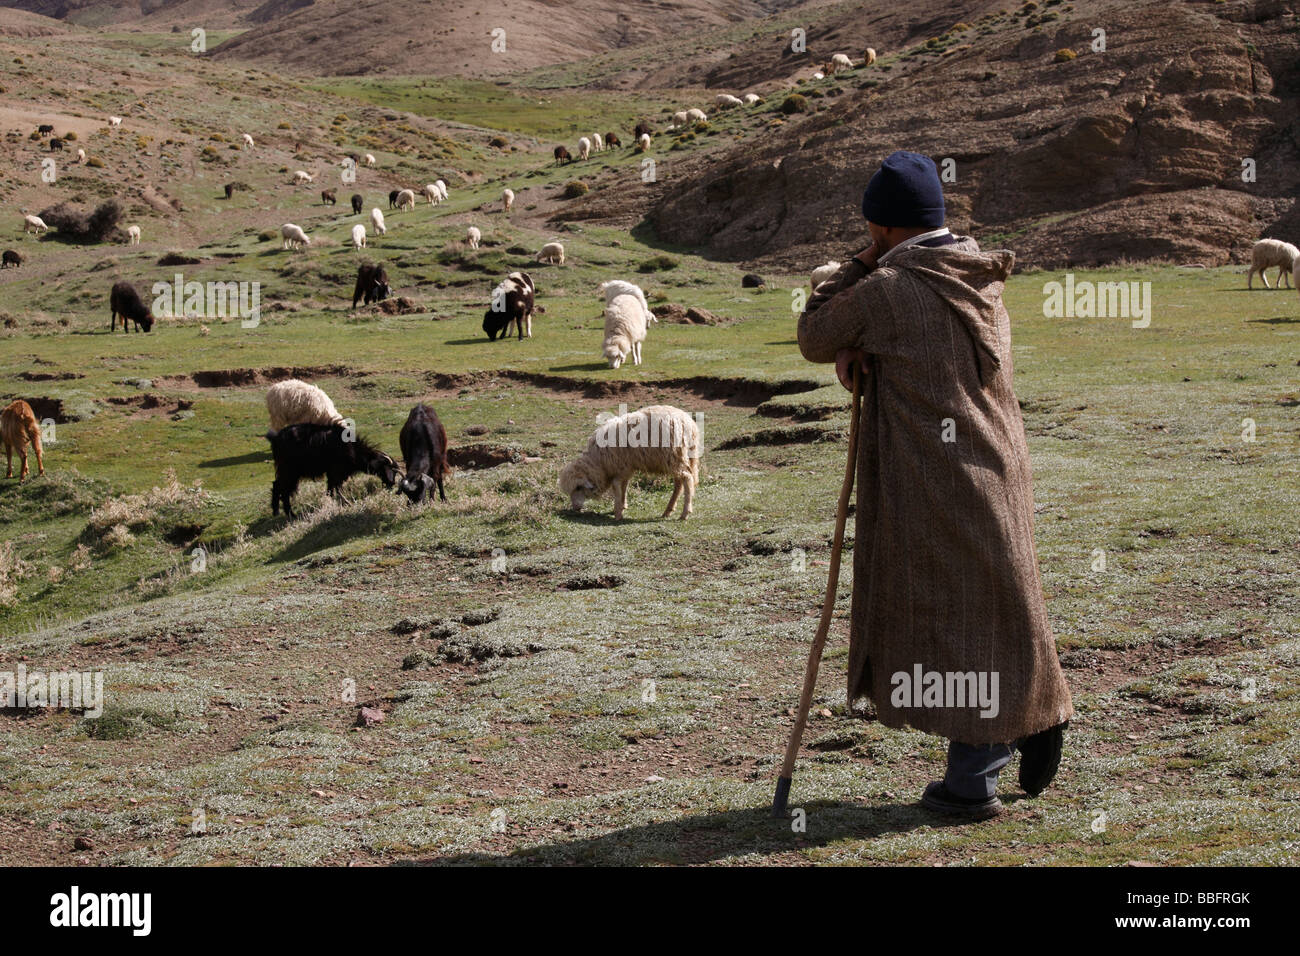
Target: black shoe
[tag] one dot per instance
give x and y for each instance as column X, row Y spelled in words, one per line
column 940, row 799
column 1040, row 756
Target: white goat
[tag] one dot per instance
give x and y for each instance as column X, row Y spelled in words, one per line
column 293, row 236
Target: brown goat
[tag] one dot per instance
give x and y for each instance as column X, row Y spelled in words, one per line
column 18, row 427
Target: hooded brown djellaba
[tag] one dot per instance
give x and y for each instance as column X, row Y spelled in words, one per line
column 945, row 571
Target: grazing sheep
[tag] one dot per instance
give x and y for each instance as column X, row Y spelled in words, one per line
column 839, row 61
column 125, row 301
column 726, row 101
column 1268, row 253
column 612, row 140
column 513, row 300
column 392, row 198
column 680, row 118
column 473, row 237
column 423, row 441
column 370, row 159
column 870, row 55
column 617, row 287
column 372, row 284
column 656, row 440
column 562, row 155
column 34, row 224
column 697, row 116
column 584, row 148
column 322, row 451
column 133, row 235
column 11, row 258
column 45, row 129
column 115, row 121
column 329, row 197
column 302, row 177
column 359, row 236
column 625, row 327
column 597, row 142
column 406, row 200
column 56, row 144
column 293, row 236
column 552, row 252
column 377, row 222
column 507, row 199
column 248, row 142
column 822, row 273
column 357, row 202
column 81, row 155
column 642, row 129
column 18, row 427
column 442, row 189
column 752, row 99
column 432, row 193
column 643, row 143
column 295, row 402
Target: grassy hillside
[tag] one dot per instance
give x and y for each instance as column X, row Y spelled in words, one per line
column 561, row 687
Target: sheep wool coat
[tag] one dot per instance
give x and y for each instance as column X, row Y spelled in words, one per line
column 945, row 575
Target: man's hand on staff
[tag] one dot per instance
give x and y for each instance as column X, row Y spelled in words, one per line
column 844, row 360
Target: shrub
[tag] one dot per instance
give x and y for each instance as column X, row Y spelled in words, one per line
column 795, row 103
column 284, row 126
column 70, row 136
column 1065, row 55
column 660, row 263
column 575, row 189
column 95, row 162
column 498, row 142
column 77, row 225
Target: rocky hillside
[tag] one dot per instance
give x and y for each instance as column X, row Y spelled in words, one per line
column 1065, row 154
column 147, row 14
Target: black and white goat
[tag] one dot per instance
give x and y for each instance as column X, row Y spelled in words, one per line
column 424, row 450
column 512, row 301
column 332, row 452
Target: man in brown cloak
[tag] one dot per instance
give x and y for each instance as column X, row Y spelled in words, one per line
column 949, row 628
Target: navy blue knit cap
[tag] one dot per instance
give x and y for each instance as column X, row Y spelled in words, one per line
column 905, row 192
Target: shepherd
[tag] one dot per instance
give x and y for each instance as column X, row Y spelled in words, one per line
column 949, row 631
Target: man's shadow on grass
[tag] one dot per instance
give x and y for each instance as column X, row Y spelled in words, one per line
column 1280, row 320
column 717, row 836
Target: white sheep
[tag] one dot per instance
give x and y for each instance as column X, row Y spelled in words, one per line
column 839, row 61
column 597, row 142
column 369, row 158
column 81, row 155
column 115, row 121
column 406, row 199
column 507, row 199
column 870, row 56
column 1268, row 253
column 726, row 101
column 752, row 99
column 294, row 402
column 819, row 75
column 34, row 224
column 656, row 440
column 442, row 189
column 359, row 236
column 293, row 236
column 644, row 142
column 625, row 325
column 552, row 252
column 302, row 177
column 133, row 235
column 679, row 119
column 617, row 287
column 432, row 193
column 822, row 273
column 377, row 222
column 473, row 237
column 696, row 116
column 248, row 141
column 584, row 148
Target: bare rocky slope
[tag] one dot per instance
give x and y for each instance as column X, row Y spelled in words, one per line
column 1131, row 153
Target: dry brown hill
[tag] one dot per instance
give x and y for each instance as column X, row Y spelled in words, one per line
column 1134, row 152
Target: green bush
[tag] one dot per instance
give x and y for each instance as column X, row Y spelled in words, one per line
column 660, row 263
column 795, row 103
column 574, row 189
column 1065, row 55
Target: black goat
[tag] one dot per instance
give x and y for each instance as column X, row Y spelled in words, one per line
column 424, row 451
column 512, row 301
column 357, row 201
column 125, row 301
column 611, row 140
column 45, row 129
column 372, row 284
column 392, row 198
column 56, row 144
column 331, row 452
column 562, row 155
column 329, row 197
column 11, row 258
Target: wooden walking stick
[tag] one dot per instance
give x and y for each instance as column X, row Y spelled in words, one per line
column 828, row 607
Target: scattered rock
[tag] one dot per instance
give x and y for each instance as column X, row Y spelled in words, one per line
column 370, row 716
